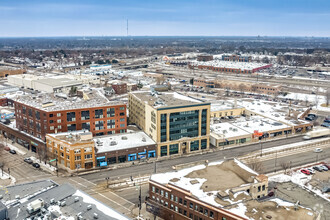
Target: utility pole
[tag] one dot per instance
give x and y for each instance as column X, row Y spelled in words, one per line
column 140, row 202
column 107, row 179
column 56, row 168
column 155, row 167
column 260, row 148
column 275, row 160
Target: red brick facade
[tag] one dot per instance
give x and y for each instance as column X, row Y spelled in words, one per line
column 171, row 202
column 99, row 120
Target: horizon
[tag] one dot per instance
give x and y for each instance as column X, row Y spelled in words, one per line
column 36, row 18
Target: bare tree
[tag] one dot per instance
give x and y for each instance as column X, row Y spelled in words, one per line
column 285, row 165
column 255, row 164
column 327, row 97
column 42, row 154
column 2, row 162
column 242, row 88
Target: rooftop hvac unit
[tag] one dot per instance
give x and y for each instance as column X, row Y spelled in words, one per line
column 76, row 199
column 144, row 139
column 112, row 143
column 52, row 201
column 124, row 138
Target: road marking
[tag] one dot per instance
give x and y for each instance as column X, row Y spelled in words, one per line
column 107, row 197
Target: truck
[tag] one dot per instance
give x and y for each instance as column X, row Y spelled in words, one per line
column 317, row 132
column 35, row 206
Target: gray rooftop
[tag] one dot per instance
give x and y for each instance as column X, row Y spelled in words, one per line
column 59, row 82
column 59, row 102
column 76, row 202
column 166, row 99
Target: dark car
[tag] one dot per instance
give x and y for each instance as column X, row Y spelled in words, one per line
column 36, row 165
column 317, row 169
column 28, row 160
column 12, row 151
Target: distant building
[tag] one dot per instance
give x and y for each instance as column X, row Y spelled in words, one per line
column 204, row 58
column 119, row 87
column 177, row 123
column 73, row 150
column 8, row 72
column 236, row 58
column 200, row 82
column 44, row 83
column 229, row 66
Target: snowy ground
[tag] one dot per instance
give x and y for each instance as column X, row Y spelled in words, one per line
column 43, row 165
column 5, row 176
column 301, row 180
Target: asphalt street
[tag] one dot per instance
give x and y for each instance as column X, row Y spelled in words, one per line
column 166, row 165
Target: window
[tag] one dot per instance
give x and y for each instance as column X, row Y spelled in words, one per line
column 88, row 156
column 172, row 197
column 51, row 115
column 191, row 205
column 157, row 190
column 176, row 199
column 59, row 127
column 263, row 188
column 99, row 113
column 162, row 192
column 110, row 112
column 191, row 215
column 201, row 209
column 122, row 125
column 180, row 200
column 176, row 208
column 58, row 120
column 58, row 115
column 196, row 207
column 153, row 189
column 206, row 212
column 51, row 121
column 172, row 206
column 85, row 115
column 77, row 151
column 185, row 202
column 122, row 108
column 122, row 119
column 166, row 194
column 180, row 210
column 166, row 204
column 77, row 157
column 51, row 128
column 259, row 188
column 71, row 116
column 121, row 113
column 185, row 212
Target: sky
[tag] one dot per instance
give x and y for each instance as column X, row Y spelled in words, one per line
column 38, row 18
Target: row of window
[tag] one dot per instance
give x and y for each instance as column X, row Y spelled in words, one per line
column 178, row 204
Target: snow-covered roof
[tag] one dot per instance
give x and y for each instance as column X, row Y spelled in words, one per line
column 227, row 130
column 122, row 141
column 230, row 64
column 223, row 105
column 165, row 99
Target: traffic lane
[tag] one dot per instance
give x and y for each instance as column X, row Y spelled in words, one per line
column 300, row 159
column 132, row 193
column 166, row 165
column 21, row 170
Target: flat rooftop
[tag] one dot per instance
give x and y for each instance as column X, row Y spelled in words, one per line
column 59, row 82
column 274, row 110
column 227, row 130
column 72, row 137
column 230, row 64
column 166, row 99
column 122, row 141
column 205, row 181
column 223, row 105
column 259, row 123
column 76, row 202
column 58, row 102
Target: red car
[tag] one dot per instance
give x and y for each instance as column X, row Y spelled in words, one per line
column 327, row 165
column 305, row 172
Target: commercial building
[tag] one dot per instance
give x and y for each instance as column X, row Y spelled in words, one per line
column 41, row 114
column 177, row 123
column 73, row 150
column 226, row 134
column 45, row 83
column 236, row 58
column 5, row 72
column 206, row 191
column 120, row 148
column 206, row 83
column 229, row 66
column 46, row 199
column 222, row 109
column 118, row 86
column 204, row 58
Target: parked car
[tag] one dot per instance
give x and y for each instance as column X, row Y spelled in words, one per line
column 304, row 171
column 310, row 170
column 318, row 150
column 28, row 160
column 317, row 169
column 324, row 168
column 6, row 148
column 12, row 151
column 36, row 165
column 327, row 165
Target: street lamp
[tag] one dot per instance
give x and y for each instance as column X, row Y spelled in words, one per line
column 260, row 147
column 107, row 179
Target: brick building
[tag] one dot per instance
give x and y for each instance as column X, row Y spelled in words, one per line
column 39, row 115
column 119, row 87
column 236, row 58
column 204, row 58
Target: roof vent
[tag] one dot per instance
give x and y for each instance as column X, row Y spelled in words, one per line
column 144, row 139
column 124, row 138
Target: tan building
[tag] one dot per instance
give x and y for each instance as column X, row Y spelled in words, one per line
column 177, row 123
column 73, row 150
column 223, row 109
